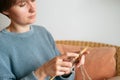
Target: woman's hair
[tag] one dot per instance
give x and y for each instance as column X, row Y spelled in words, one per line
column 6, row 4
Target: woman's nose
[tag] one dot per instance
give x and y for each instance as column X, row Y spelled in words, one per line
column 32, row 7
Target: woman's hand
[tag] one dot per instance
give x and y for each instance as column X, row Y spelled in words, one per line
column 81, row 60
column 59, row 65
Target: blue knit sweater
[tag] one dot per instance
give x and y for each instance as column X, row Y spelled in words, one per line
column 22, row 53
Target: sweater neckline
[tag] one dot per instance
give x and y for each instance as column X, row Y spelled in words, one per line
column 24, row 34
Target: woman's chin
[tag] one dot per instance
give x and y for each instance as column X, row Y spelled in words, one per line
column 31, row 22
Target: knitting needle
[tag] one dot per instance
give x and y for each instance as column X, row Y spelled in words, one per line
column 52, row 78
column 75, row 60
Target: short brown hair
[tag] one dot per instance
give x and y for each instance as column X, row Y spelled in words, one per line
column 6, row 4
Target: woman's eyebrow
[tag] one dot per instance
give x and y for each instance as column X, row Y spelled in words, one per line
column 20, row 1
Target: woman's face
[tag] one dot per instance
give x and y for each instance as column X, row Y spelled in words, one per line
column 23, row 12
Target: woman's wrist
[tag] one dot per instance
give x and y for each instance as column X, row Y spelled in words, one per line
column 40, row 73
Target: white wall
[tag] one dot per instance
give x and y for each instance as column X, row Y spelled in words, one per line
column 88, row 20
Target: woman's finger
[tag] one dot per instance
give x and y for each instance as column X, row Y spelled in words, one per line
column 81, row 61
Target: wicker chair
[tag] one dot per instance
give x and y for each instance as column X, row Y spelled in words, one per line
column 94, row 44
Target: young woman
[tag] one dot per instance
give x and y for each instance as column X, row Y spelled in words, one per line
column 28, row 52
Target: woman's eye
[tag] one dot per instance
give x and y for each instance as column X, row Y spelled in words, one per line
column 33, row 0
column 22, row 4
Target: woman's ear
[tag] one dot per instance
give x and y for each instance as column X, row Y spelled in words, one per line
column 5, row 12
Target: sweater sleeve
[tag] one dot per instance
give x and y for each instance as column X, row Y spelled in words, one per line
column 6, row 73
column 71, row 77
column 31, row 76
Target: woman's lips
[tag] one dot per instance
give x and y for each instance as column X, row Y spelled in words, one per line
column 32, row 16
